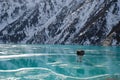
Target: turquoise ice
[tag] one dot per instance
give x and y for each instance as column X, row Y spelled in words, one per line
column 58, row 62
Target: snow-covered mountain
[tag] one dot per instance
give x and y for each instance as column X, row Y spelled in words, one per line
column 60, row 21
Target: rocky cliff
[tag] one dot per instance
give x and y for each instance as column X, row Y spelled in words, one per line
column 59, row 21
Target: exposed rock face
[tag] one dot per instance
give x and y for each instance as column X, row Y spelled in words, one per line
column 59, row 21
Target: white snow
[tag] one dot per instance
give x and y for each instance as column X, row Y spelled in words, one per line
column 48, row 16
column 112, row 19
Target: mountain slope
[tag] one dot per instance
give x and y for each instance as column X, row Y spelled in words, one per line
column 59, row 22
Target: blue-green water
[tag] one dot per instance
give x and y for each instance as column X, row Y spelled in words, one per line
column 58, row 62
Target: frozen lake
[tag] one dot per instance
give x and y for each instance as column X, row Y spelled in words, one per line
column 58, row 62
